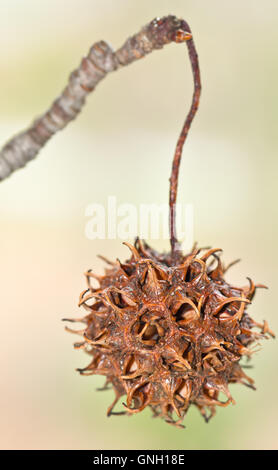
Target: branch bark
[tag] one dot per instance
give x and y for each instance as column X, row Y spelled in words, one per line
column 101, row 60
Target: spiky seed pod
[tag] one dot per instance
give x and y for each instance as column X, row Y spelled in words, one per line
column 165, row 329
column 168, row 334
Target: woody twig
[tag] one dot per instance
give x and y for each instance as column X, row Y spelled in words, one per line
column 101, row 60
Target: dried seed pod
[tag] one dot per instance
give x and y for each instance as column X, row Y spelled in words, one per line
column 167, row 330
column 168, row 334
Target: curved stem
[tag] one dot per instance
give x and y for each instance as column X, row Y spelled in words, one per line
column 178, row 152
column 101, row 60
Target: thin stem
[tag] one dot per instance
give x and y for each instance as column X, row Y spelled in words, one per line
column 179, row 147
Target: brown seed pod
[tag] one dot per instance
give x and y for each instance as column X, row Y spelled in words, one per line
column 167, row 330
column 168, row 335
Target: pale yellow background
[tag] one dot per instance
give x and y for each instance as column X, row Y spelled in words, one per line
column 122, row 144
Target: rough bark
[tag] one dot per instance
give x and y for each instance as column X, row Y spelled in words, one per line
column 100, row 60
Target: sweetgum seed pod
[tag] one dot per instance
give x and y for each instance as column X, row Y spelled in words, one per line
column 166, row 330
column 167, row 335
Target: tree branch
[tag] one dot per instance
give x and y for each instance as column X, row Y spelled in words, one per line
column 100, row 60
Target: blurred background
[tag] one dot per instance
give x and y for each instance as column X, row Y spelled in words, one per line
column 122, row 144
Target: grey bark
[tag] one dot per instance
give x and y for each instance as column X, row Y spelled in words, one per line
column 100, row 60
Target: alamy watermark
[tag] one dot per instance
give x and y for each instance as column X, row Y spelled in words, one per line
column 148, row 221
